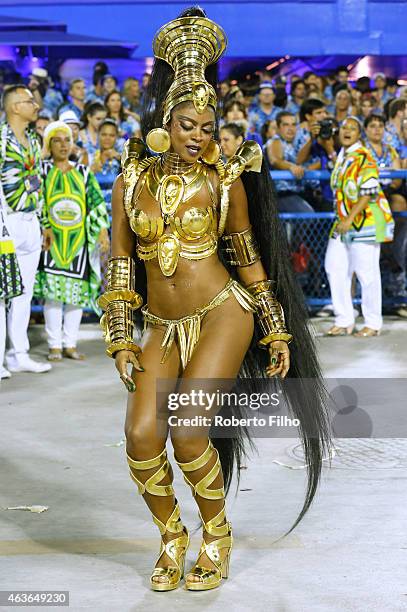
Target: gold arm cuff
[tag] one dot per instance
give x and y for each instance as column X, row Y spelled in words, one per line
column 270, row 313
column 120, row 273
column 113, row 348
column 119, row 302
column 260, row 287
column 242, row 248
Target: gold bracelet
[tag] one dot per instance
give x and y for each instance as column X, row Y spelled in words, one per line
column 119, row 302
column 270, row 313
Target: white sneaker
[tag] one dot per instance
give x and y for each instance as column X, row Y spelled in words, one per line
column 326, row 311
column 4, row 373
column 24, row 363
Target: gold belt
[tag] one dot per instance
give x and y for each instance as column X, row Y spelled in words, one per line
column 187, row 329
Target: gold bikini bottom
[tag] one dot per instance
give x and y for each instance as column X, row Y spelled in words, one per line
column 186, row 330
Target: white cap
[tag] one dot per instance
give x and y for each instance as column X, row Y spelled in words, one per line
column 40, row 73
column 69, row 117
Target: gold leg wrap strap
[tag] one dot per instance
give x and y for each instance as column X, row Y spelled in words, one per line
column 151, row 485
column 173, row 523
column 164, row 578
column 214, row 526
column 201, row 577
column 202, row 487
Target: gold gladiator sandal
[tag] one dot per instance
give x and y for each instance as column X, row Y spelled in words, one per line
column 175, row 549
column 209, row 578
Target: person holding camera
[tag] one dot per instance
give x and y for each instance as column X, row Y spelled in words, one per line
column 316, row 143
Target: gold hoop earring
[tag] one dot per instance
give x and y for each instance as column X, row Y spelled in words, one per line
column 158, row 140
column 212, row 153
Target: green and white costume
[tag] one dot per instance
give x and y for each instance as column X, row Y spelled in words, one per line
column 70, row 271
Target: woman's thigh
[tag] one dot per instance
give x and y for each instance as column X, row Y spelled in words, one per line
column 145, row 433
column 225, row 338
column 226, row 334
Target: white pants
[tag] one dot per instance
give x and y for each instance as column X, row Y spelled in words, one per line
column 2, row 332
column 341, row 261
column 62, row 326
column 26, row 233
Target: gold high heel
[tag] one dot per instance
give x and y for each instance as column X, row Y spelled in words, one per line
column 210, row 578
column 176, row 548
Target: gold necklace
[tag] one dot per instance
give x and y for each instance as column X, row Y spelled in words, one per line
column 172, row 181
column 172, row 163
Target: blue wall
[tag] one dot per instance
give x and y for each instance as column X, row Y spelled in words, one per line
column 267, row 28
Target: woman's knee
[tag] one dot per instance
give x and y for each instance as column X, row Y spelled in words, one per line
column 187, row 448
column 143, row 442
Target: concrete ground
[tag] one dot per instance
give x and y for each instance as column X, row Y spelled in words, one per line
column 61, row 448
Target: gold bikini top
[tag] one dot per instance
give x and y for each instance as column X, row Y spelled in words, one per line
column 194, row 234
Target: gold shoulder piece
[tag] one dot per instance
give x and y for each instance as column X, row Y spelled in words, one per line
column 247, row 158
column 251, row 155
column 134, row 150
column 132, row 170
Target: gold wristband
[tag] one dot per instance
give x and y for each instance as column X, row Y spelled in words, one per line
column 270, row 313
column 119, row 302
column 242, row 248
column 114, row 348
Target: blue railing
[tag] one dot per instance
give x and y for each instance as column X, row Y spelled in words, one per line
column 307, row 235
column 325, row 175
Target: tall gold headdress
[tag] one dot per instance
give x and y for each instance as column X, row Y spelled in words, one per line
column 188, row 45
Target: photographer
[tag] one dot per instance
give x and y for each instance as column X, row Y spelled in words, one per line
column 316, row 143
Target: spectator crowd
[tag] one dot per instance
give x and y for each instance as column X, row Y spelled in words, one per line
column 60, row 155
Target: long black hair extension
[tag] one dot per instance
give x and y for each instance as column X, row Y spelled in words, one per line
column 306, row 398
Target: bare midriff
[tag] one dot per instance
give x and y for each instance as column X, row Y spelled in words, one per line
column 193, row 285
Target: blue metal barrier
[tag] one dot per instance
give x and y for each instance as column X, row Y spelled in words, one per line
column 325, row 175
column 307, row 234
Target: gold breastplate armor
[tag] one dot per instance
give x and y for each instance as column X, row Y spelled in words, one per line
column 192, row 235
column 172, row 183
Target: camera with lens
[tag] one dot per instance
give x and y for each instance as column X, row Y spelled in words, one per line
column 327, row 128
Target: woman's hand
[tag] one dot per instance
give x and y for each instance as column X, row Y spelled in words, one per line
column 279, row 359
column 344, row 225
column 122, row 358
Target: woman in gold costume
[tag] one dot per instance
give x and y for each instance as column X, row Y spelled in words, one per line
column 173, row 211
